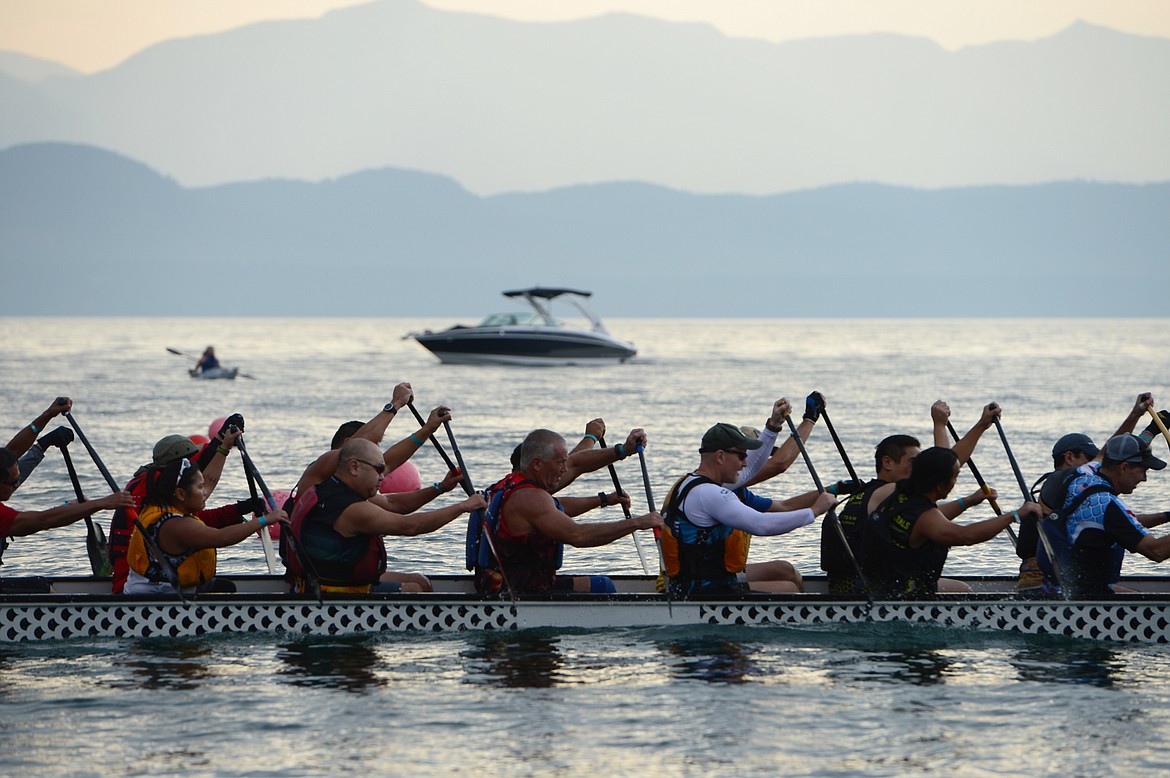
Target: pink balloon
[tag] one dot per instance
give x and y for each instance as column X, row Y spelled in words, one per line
column 214, row 427
column 404, row 478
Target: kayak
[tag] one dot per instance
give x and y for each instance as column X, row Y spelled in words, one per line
column 36, row 609
column 227, row 373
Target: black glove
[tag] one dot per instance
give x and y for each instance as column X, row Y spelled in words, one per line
column 235, row 420
column 845, row 487
column 1150, row 432
column 62, row 436
column 252, row 505
column 814, row 405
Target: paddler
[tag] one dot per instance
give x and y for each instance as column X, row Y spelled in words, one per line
column 704, row 545
column 325, row 466
column 531, row 528
column 170, row 546
column 339, row 527
column 14, row 523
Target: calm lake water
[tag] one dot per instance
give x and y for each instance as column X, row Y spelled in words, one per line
column 875, row 699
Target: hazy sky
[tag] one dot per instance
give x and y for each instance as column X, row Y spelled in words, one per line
column 91, row 35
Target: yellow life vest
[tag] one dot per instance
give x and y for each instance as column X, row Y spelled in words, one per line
column 194, row 567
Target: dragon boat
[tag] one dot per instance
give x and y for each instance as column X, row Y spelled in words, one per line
column 38, row 609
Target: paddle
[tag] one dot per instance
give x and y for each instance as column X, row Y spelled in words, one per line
column 176, row 352
column 983, row 484
column 657, row 534
column 96, row 545
column 840, row 448
column 831, row 516
column 1040, row 531
column 265, row 538
column 626, row 510
column 1158, row 421
column 92, row 453
column 483, row 522
column 438, row 446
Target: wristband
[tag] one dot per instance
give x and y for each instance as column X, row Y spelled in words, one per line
column 832, row 489
column 602, row 500
column 438, row 488
column 592, row 437
column 962, row 504
column 415, row 440
column 621, row 451
column 263, row 521
column 36, row 430
column 1016, row 516
column 222, row 450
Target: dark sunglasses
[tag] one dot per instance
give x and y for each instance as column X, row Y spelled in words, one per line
column 743, row 455
column 380, row 466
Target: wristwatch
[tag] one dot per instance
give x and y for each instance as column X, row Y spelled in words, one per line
column 602, row 499
column 389, row 408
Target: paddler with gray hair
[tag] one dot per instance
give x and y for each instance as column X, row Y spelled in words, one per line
column 705, row 542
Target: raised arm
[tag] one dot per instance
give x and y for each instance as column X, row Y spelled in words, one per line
column 966, row 445
column 22, row 441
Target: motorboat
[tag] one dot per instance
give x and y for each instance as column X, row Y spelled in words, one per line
column 530, row 338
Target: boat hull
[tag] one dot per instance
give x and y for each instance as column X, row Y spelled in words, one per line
column 68, row 611
column 223, row 373
column 534, row 346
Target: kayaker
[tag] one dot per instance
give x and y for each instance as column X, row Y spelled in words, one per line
column 705, row 543
column 1091, row 539
column 339, row 527
column 208, row 361
column 171, row 547
column 14, row 523
column 531, row 528
column 905, row 541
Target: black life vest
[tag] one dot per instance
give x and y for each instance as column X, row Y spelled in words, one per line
column 834, row 559
column 339, row 561
column 892, row 566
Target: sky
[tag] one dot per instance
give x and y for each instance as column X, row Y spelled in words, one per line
column 92, row 35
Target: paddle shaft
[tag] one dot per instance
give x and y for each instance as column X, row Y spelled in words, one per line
column 657, row 534
column 265, row 537
column 92, row 454
column 983, row 484
column 1027, row 497
column 625, row 509
column 840, row 448
column 831, row 516
column 438, row 446
column 99, row 555
column 478, row 515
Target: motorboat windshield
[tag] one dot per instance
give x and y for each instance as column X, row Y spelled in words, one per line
column 529, row 319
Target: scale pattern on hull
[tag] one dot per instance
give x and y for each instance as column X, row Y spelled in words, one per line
column 1124, row 623
column 59, row 623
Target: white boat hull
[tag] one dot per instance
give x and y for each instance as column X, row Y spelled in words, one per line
column 70, row 611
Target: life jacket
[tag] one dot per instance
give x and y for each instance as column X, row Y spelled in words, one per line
column 699, row 560
column 834, row 559
column 341, row 563
column 530, row 562
column 1065, row 496
column 892, row 567
column 194, row 567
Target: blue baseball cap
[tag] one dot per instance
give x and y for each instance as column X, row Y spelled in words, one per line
column 1076, row 441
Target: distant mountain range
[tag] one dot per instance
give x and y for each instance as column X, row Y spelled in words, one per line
column 509, row 106
column 85, row 231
